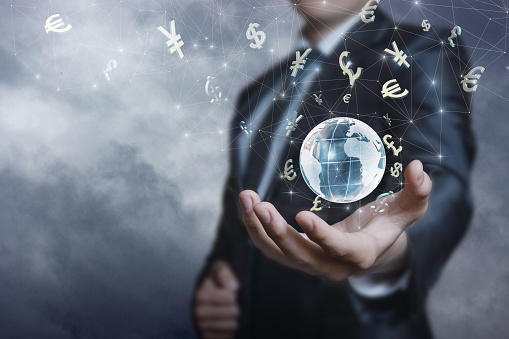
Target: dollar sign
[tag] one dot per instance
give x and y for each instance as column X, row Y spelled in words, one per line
column 110, row 66
column 454, row 34
column 395, row 169
column 258, row 36
column 426, row 25
column 212, row 90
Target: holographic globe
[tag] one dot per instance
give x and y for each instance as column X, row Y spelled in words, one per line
column 342, row 160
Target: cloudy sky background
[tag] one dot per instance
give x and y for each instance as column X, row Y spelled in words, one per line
column 109, row 191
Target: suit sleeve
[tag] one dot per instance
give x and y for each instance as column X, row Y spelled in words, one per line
column 441, row 137
column 434, row 124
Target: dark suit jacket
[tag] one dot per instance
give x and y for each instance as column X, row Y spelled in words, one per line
column 278, row 302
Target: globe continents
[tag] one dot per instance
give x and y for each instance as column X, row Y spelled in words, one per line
column 342, row 160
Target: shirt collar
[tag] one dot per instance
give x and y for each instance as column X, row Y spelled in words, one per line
column 331, row 40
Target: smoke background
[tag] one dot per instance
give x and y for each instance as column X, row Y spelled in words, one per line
column 110, row 191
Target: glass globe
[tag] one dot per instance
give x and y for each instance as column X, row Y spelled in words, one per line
column 342, row 160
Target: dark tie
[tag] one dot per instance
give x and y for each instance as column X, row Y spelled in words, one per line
column 263, row 170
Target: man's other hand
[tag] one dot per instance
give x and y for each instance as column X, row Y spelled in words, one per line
column 372, row 239
column 215, row 303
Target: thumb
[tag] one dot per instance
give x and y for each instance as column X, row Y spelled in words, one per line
column 414, row 197
column 223, row 276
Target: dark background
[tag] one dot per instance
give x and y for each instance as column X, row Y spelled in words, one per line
column 110, row 191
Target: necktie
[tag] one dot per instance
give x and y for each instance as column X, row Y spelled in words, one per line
column 268, row 147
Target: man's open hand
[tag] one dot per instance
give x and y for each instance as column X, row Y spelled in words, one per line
column 368, row 240
column 215, row 303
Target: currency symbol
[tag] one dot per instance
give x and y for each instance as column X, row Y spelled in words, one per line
column 454, row 34
column 346, row 98
column 299, row 61
column 395, row 169
column 110, row 66
column 393, row 90
column 318, row 99
column 212, row 90
column 471, row 79
column 382, row 204
column 387, row 119
column 346, row 68
column 53, row 25
column 391, row 145
column 398, row 55
column 367, row 12
column 384, row 194
column 243, row 127
column 289, row 172
column 292, row 125
column 174, row 39
column 426, row 25
column 316, row 202
column 259, row 36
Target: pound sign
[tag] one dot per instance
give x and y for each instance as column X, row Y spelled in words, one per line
column 346, row 68
column 391, row 145
column 454, row 34
column 316, row 202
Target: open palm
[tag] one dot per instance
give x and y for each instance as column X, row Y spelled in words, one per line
column 372, row 239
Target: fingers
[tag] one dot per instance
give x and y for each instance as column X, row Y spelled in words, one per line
column 216, row 310
column 306, row 255
column 218, row 334
column 414, row 197
column 210, row 293
column 210, row 312
column 223, row 276
column 356, row 249
column 254, row 227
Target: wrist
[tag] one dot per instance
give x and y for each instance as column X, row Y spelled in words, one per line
column 394, row 261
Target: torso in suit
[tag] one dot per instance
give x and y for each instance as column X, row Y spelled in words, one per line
column 279, row 302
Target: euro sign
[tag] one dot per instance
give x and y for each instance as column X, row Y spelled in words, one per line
column 392, row 91
column 53, row 25
column 300, row 61
column 289, row 172
column 454, row 34
column 368, row 11
column 346, row 68
column 258, row 36
column 471, row 79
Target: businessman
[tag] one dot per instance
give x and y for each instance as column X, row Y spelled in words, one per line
column 276, row 269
